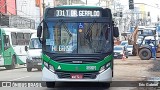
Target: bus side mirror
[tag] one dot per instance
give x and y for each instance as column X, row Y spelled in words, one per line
column 26, row 48
column 39, row 31
column 115, row 32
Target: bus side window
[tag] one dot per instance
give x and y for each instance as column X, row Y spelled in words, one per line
column 14, row 38
column 6, row 42
column 27, row 38
column 20, row 39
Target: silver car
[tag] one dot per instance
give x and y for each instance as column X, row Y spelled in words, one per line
column 119, row 51
column 130, row 49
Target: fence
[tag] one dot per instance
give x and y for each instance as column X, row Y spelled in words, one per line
column 16, row 21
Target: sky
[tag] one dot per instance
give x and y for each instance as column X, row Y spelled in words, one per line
column 150, row 7
column 154, row 11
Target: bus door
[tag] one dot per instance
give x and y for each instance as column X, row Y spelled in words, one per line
column 6, row 49
column 1, row 49
column 0, row 43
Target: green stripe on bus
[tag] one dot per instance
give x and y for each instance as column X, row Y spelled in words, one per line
column 77, row 67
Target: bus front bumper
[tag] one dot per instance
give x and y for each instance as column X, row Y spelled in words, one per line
column 105, row 76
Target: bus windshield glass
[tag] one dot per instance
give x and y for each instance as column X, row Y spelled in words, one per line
column 81, row 38
column 35, row 44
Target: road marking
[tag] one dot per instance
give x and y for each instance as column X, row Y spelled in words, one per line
column 19, row 78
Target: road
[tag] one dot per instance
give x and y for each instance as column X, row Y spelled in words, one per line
column 131, row 69
column 20, row 74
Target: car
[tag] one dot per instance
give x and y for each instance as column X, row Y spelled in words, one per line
column 34, row 52
column 119, row 51
column 124, row 43
column 130, row 49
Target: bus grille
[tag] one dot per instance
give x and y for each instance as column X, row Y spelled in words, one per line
column 67, row 75
column 77, row 60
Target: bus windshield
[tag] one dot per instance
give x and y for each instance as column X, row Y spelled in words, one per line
column 82, row 38
column 35, row 44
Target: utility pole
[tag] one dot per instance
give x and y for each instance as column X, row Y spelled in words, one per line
column 43, row 7
column 86, row 2
column 131, row 7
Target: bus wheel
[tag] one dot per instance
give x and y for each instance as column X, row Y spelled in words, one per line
column 50, row 84
column 29, row 69
column 39, row 69
column 107, row 85
column 13, row 65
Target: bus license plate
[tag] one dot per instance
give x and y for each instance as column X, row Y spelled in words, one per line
column 76, row 76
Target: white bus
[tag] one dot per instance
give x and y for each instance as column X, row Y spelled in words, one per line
column 12, row 46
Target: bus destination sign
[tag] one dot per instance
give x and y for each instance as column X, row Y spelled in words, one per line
column 77, row 13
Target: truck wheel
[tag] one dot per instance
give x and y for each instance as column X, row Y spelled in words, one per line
column 13, row 65
column 50, row 84
column 29, row 69
column 145, row 54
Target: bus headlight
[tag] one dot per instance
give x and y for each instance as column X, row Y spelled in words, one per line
column 45, row 64
column 103, row 68
column 108, row 65
column 51, row 68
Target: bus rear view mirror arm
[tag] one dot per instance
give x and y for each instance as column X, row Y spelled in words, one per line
column 115, row 32
column 39, row 31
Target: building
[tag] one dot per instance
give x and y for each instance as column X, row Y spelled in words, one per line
column 8, row 7
column 28, row 9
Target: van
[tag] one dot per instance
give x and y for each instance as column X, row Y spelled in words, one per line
column 34, row 52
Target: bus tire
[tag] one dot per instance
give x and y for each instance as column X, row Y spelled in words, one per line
column 50, row 84
column 107, row 85
column 145, row 54
column 39, row 69
column 29, row 69
column 13, row 65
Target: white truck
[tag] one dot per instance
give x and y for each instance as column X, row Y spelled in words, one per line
column 34, row 50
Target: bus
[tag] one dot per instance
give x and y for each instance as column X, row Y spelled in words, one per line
column 77, row 44
column 12, row 46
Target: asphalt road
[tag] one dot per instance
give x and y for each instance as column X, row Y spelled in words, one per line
column 21, row 74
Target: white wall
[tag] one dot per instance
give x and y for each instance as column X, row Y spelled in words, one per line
column 27, row 8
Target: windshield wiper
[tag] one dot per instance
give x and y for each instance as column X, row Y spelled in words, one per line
column 88, row 34
column 66, row 29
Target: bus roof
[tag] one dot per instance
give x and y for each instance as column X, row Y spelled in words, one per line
column 19, row 30
column 78, row 6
